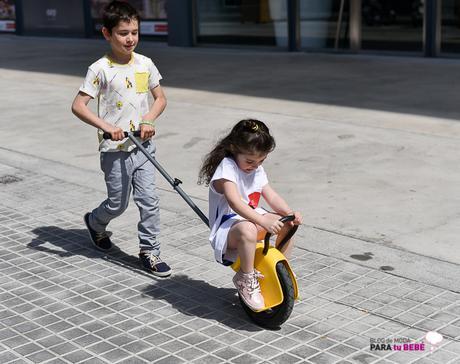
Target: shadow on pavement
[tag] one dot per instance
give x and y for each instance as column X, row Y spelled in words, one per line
column 198, row 298
column 189, row 296
column 69, row 242
column 412, row 85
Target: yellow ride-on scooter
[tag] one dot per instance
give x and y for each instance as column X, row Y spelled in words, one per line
column 279, row 285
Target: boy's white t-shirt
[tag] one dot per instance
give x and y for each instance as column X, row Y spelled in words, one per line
column 249, row 186
column 122, row 91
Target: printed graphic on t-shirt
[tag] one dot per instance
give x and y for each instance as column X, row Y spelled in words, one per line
column 254, row 199
column 128, row 83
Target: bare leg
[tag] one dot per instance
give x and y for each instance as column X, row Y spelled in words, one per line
column 243, row 237
column 287, row 248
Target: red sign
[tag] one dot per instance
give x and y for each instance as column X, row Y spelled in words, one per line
column 152, row 27
column 7, row 25
column 161, row 28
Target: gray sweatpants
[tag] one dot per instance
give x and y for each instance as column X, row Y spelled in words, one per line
column 125, row 172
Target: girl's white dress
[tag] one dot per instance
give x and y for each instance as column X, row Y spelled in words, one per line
column 221, row 216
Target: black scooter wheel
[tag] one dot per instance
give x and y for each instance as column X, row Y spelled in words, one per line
column 276, row 316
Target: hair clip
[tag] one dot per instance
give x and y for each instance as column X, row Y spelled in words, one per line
column 254, row 127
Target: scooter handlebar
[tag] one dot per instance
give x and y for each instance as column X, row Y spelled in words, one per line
column 288, row 236
column 136, row 133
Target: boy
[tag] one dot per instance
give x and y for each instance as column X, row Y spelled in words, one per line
column 121, row 81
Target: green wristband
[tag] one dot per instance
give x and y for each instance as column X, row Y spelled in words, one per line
column 147, row 122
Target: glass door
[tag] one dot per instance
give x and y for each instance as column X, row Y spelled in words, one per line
column 324, row 24
column 392, row 25
column 256, row 22
column 450, row 26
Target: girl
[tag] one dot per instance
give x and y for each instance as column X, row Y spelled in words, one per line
column 233, row 170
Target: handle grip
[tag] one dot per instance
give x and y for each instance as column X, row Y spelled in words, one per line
column 136, row 133
column 288, row 236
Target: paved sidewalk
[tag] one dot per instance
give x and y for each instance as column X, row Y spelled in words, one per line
column 61, row 301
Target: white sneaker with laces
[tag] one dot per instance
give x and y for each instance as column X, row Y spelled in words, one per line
column 248, row 288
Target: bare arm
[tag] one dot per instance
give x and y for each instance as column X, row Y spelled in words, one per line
column 159, row 104
column 230, row 191
column 277, row 203
column 81, row 110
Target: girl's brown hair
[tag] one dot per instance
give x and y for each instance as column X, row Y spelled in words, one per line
column 247, row 136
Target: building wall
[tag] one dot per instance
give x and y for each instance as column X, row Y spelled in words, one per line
column 385, row 25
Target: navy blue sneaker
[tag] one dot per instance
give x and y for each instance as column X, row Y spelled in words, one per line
column 153, row 264
column 100, row 240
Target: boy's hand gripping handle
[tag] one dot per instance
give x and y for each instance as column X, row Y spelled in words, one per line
column 285, row 239
column 136, row 133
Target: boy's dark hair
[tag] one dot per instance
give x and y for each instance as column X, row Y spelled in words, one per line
column 117, row 11
column 247, row 136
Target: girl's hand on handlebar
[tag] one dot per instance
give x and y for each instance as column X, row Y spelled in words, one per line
column 147, row 131
column 272, row 226
column 297, row 220
column 116, row 133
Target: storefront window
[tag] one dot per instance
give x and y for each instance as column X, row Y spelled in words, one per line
column 324, row 23
column 153, row 14
column 259, row 22
column 394, row 25
column 7, row 16
column 53, row 17
column 450, row 41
